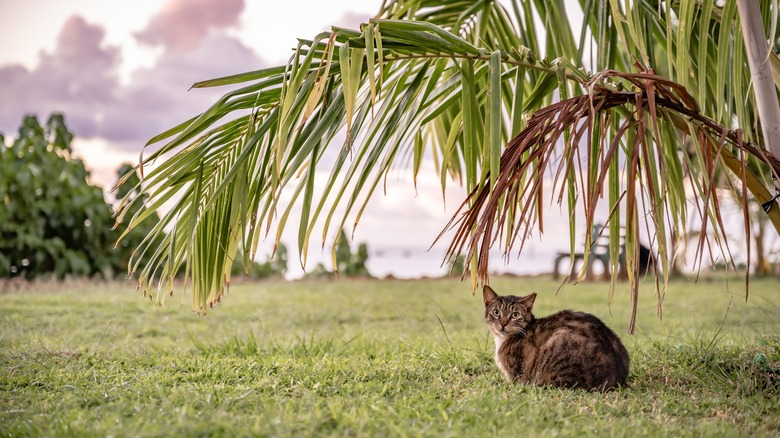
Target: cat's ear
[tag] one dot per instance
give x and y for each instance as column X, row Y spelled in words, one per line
column 528, row 301
column 488, row 294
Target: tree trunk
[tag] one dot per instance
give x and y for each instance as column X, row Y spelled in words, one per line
column 762, row 264
column 761, row 73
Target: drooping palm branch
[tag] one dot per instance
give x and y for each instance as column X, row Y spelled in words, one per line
column 508, row 209
column 452, row 82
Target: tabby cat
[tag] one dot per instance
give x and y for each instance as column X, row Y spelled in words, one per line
column 568, row 349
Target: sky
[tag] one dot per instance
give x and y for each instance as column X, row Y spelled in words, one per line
column 120, row 71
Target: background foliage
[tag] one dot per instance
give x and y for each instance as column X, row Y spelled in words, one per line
column 346, row 263
column 274, row 267
column 52, row 219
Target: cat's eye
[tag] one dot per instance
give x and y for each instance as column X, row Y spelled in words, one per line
column 495, row 313
column 515, row 315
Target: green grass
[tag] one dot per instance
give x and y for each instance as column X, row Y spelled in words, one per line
column 373, row 358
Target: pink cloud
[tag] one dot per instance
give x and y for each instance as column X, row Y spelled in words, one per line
column 79, row 78
column 80, row 43
column 182, row 24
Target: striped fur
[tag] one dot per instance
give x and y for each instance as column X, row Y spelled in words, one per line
column 567, row 349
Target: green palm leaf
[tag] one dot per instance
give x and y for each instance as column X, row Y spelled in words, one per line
column 457, row 80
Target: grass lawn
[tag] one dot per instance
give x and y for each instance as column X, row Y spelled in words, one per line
column 374, row 358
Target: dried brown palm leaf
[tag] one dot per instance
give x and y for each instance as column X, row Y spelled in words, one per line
column 598, row 130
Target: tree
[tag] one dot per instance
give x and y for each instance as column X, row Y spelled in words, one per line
column 346, row 263
column 52, row 221
column 351, row 264
column 274, row 267
column 471, row 85
column 457, row 265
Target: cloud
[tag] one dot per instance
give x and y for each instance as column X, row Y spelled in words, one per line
column 79, row 75
column 80, row 79
column 182, row 24
column 79, row 44
column 157, row 98
column 352, row 20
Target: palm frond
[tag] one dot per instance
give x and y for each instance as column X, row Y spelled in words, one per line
column 455, row 81
column 530, row 158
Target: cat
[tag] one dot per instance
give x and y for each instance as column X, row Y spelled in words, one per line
column 567, row 349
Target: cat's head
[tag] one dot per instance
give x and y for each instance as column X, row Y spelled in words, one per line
column 507, row 315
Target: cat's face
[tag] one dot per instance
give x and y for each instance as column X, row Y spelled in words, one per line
column 507, row 315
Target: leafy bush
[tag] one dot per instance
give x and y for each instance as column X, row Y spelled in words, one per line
column 351, row 264
column 274, row 267
column 457, row 266
column 348, row 264
column 52, row 220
